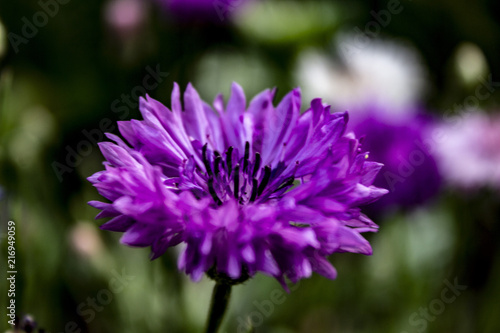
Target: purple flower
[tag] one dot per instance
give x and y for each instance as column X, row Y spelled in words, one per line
column 203, row 10
column 125, row 17
column 410, row 171
column 244, row 188
column 474, row 141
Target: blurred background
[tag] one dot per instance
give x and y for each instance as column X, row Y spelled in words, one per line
column 420, row 78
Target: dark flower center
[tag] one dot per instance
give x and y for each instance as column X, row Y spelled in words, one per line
column 244, row 178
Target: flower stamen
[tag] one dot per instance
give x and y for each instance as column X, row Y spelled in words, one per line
column 245, row 158
column 288, row 181
column 265, row 179
column 256, row 165
column 217, row 162
column 254, row 190
column 211, row 189
column 236, row 181
column 229, row 160
column 205, row 160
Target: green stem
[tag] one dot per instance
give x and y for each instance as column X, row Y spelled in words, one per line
column 218, row 306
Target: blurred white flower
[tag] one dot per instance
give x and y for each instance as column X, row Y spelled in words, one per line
column 376, row 73
column 469, row 152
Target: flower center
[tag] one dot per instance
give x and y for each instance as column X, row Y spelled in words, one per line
column 230, row 176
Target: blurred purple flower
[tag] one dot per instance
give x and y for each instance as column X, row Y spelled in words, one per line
column 474, row 141
column 125, row 17
column 246, row 189
column 410, row 171
column 380, row 82
column 202, row 10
